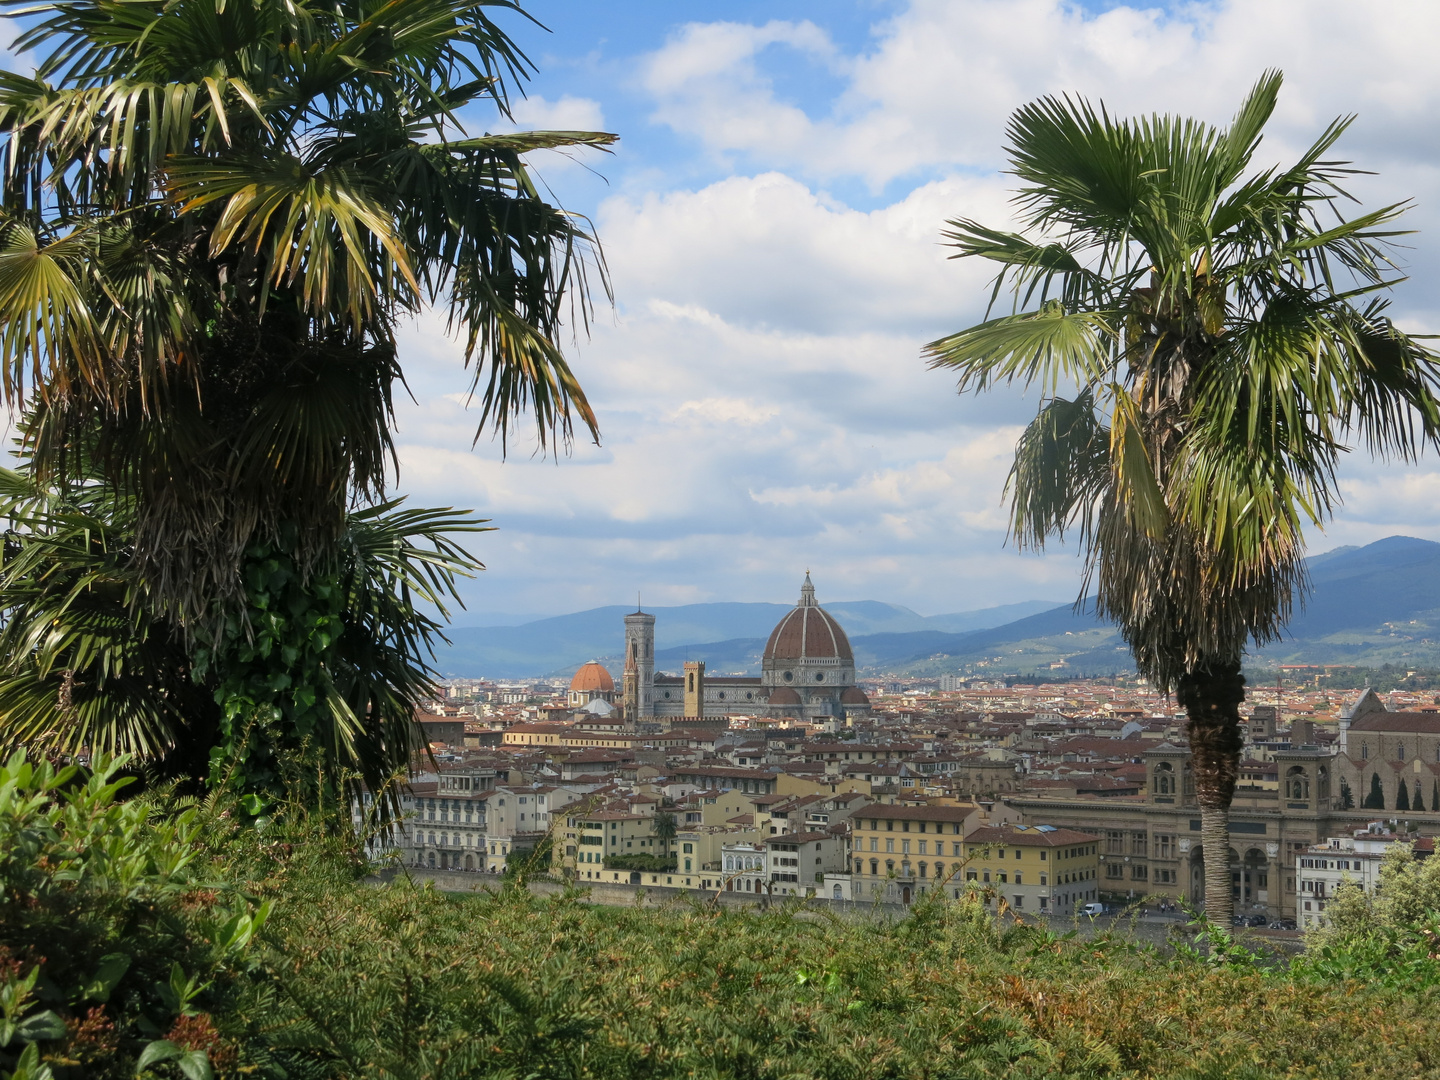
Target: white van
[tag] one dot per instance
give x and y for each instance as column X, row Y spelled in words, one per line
column 1093, row 909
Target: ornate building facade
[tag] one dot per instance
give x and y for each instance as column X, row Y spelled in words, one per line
column 1151, row 843
column 807, row 672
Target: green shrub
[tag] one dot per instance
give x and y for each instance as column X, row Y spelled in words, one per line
column 115, row 935
column 650, row 864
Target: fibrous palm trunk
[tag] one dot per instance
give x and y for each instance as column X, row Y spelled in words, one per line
column 1211, row 698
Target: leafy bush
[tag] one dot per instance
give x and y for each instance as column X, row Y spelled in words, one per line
column 650, row 864
column 115, row 933
column 1390, row 937
column 154, row 961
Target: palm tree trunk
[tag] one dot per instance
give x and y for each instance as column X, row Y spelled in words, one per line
column 1211, row 697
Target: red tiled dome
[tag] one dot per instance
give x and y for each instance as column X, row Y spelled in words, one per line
column 591, row 677
column 783, row 695
column 853, row 695
column 808, row 631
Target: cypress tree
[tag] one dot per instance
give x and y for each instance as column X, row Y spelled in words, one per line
column 1419, row 801
column 1347, row 797
column 1402, row 797
column 1376, row 799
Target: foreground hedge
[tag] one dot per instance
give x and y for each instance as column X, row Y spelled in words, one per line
column 403, row 981
column 141, row 930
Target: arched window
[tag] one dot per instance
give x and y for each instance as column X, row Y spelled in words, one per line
column 729, row 862
column 1297, row 783
column 1365, row 752
column 1400, row 751
column 1164, row 779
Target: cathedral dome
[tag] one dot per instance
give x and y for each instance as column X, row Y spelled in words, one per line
column 853, row 695
column 784, row 696
column 808, row 632
column 592, row 677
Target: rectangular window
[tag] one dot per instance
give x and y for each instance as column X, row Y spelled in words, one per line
column 874, row 843
column 956, row 851
column 1115, row 842
column 890, row 843
column 1137, row 844
column 1017, row 878
column 905, row 847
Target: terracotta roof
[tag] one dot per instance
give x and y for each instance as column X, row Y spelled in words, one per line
column 784, row 696
column 881, row 811
column 853, row 695
column 1031, row 837
column 1417, row 722
column 808, row 631
column 590, row 677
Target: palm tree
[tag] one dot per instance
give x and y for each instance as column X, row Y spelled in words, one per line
column 312, row 696
column 1226, row 343
column 213, row 216
column 664, row 829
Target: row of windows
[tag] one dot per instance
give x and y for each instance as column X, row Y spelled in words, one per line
column 923, row 845
column 1399, row 751
column 905, row 826
column 1330, row 864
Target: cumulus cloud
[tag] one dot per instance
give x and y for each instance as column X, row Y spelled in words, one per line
column 763, row 403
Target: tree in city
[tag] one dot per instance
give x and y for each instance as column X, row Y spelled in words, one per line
column 1376, row 799
column 1208, row 342
column 664, row 830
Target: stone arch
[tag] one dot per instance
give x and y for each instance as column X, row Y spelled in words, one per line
column 1164, row 780
column 1297, row 783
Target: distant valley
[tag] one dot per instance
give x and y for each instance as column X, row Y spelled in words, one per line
column 1368, row 606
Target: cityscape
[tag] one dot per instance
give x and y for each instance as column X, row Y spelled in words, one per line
column 696, row 783
column 862, row 540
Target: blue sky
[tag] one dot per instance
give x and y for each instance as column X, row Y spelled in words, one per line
column 771, row 221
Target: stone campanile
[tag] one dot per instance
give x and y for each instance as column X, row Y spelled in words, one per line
column 640, row 643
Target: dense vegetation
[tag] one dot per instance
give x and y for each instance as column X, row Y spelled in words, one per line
column 215, row 218
column 179, row 937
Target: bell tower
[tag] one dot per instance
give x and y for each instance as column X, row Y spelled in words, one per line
column 640, row 638
column 630, row 686
column 695, row 688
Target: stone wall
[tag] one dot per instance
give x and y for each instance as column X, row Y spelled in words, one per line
column 1151, row 931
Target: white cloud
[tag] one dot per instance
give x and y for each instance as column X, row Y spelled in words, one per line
column 767, row 250
column 565, row 114
column 944, row 75
column 762, row 398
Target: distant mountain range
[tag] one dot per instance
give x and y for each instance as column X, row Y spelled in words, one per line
column 1368, row 606
column 724, row 635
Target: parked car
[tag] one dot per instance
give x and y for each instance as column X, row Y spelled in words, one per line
column 1283, row 924
column 1093, row 909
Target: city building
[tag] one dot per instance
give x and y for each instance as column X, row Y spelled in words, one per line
column 899, row 851
column 1322, row 869
column 1035, row 869
column 796, row 862
column 807, row 673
